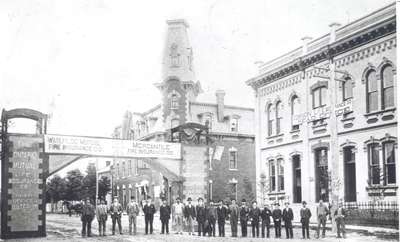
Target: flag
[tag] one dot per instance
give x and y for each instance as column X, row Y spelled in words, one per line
column 218, row 152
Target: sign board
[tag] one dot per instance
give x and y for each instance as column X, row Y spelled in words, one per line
column 77, row 145
column 23, row 179
column 315, row 114
column 344, row 107
column 323, row 112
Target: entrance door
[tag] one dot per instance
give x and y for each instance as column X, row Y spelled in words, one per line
column 350, row 192
column 321, row 175
column 296, row 179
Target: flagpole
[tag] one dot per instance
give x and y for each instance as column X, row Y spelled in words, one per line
column 97, row 181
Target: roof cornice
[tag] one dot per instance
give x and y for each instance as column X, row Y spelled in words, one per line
column 357, row 39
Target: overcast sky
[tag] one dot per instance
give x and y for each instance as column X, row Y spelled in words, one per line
column 88, row 61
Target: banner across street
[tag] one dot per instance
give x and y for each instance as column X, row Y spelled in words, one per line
column 76, row 145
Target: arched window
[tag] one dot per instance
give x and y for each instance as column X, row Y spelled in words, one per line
column 387, row 87
column 295, row 110
column 174, row 101
column 281, row 176
column 389, row 162
column 272, row 176
column 271, row 116
column 347, row 89
column 372, row 91
column 278, row 110
column 373, row 164
column 319, row 95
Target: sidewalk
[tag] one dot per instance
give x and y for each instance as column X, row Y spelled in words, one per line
column 355, row 228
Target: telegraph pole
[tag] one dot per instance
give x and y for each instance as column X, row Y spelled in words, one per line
column 97, row 181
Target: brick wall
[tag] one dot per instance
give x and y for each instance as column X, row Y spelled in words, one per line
column 221, row 174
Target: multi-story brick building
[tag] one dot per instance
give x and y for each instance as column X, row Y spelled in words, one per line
column 326, row 116
column 206, row 131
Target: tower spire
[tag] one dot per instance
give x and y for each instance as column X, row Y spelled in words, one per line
column 178, row 53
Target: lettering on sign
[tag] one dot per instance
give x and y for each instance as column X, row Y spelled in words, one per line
column 323, row 112
column 57, row 144
column 344, row 107
column 24, row 190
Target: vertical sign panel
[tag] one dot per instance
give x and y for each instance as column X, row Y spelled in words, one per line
column 23, row 203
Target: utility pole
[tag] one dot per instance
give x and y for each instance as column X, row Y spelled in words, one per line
column 97, row 181
column 333, row 163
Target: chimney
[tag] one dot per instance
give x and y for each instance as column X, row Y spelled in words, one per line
column 305, row 40
column 220, row 104
column 333, row 27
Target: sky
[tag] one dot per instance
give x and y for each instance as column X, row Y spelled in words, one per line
column 85, row 62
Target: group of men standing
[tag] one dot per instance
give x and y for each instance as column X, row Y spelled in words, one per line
column 208, row 217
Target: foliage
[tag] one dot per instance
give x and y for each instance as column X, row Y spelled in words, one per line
column 74, row 183
column 104, row 186
column 77, row 186
column 55, row 189
column 89, row 182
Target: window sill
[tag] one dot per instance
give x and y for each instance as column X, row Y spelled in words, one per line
column 319, row 128
column 295, row 131
column 380, row 112
column 276, row 193
column 387, row 190
column 233, row 169
column 274, row 136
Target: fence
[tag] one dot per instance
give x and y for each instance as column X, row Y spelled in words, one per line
column 379, row 213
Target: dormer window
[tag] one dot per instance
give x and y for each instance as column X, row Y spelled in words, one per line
column 234, row 124
column 207, row 119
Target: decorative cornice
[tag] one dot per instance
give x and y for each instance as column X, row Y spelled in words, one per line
column 215, row 105
column 327, row 52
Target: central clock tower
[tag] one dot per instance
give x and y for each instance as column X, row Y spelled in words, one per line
column 179, row 85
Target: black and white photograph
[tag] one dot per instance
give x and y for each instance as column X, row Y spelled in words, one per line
column 199, row 120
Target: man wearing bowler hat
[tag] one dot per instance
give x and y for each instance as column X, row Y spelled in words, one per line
column 190, row 215
column 149, row 210
column 277, row 216
column 287, row 218
column 243, row 214
column 305, row 215
column 201, row 217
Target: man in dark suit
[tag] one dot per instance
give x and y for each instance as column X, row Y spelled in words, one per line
column 165, row 215
column 87, row 216
column 254, row 216
column 265, row 220
column 149, row 210
column 305, row 215
column 116, row 213
column 190, row 215
column 233, row 217
column 200, row 216
column 222, row 213
column 243, row 214
column 277, row 216
column 211, row 217
column 287, row 217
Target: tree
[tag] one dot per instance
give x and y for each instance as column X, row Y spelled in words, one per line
column 104, row 186
column 55, row 191
column 74, row 185
column 89, row 182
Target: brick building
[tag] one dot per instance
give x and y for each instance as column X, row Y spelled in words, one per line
column 218, row 159
column 326, row 116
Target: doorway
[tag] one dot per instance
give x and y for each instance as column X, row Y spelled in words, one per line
column 350, row 191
